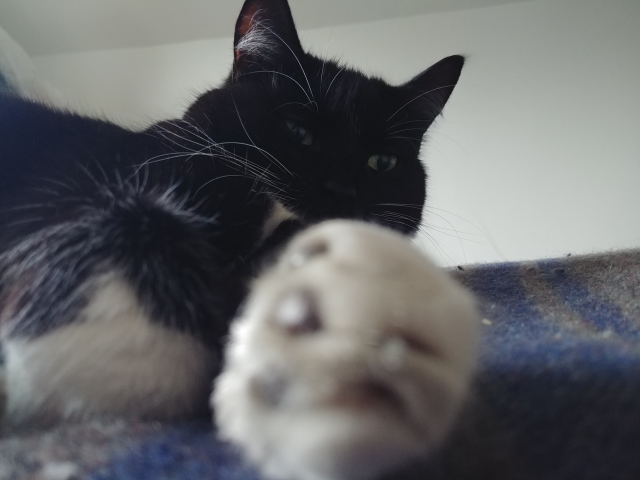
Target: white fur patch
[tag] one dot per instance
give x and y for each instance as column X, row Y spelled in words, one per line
column 367, row 373
column 277, row 215
column 259, row 41
column 112, row 361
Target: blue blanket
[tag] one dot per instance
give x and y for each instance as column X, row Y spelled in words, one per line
column 557, row 395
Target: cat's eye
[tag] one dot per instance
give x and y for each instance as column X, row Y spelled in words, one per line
column 300, row 133
column 382, row 163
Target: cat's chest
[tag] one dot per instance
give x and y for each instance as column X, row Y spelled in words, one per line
column 277, row 214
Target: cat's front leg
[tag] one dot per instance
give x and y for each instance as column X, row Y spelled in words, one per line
column 351, row 357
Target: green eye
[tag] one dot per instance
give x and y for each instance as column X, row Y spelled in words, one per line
column 382, row 163
column 301, row 134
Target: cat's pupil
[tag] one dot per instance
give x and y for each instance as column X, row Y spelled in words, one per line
column 382, row 163
column 301, row 134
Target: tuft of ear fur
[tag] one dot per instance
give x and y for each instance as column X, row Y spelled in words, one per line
column 430, row 90
column 265, row 36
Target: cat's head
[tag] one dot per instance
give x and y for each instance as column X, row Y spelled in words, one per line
column 336, row 143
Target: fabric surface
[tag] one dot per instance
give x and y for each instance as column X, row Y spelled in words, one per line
column 557, row 394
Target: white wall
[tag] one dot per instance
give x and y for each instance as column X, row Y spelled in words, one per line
column 538, row 153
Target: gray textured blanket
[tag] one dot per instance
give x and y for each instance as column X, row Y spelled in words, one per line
column 557, row 395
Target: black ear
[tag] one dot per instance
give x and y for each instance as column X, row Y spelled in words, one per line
column 265, row 36
column 430, row 90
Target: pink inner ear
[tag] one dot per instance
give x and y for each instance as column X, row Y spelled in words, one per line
column 248, row 17
column 245, row 24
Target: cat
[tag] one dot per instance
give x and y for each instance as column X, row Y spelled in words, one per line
column 125, row 254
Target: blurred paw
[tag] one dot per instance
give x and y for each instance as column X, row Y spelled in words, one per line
column 351, row 357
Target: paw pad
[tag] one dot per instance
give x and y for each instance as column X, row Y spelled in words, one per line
column 297, row 313
column 392, row 353
column 305, row 253
column 353, row 357
column 269, row 386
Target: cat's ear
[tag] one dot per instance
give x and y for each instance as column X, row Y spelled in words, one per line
column 265, row 36
column 430, row 90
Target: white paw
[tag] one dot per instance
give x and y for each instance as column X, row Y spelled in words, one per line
column 351, row 357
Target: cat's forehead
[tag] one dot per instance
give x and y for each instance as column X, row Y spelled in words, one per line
column 343, row 92
column 339, row 85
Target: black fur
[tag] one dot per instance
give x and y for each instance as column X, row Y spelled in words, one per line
column 179, row 208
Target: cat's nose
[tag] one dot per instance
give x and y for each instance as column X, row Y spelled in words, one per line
column 340, row 189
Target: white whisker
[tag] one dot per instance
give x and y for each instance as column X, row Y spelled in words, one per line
column 287, row 76
column 406, row 130
column 297, row 60
column 417, row 97
column 215, row 180
column 399, row 124
column 334, row 79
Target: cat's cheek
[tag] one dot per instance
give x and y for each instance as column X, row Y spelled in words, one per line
column 112, row 361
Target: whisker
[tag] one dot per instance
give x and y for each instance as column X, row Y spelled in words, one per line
column 306, row 105
column 438, row 247
column 423, row 227
column 216, row 179
column 294, row 56
column 163, row 131
column 326, row 52
column 334, row 79
column 398, row 221
column 406, row 130
column 404, row 138
column 434, row 226
column 399, row 124
column 417, row 97
column 410, row 205
column 453, row 214
column 168, row 156
column 261, row 150
column 212, row 143
column 284, row 75
column 454, row 228
column 414, row 143
column 450, row 138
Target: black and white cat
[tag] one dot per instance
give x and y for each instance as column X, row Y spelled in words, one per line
column 124, row 256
